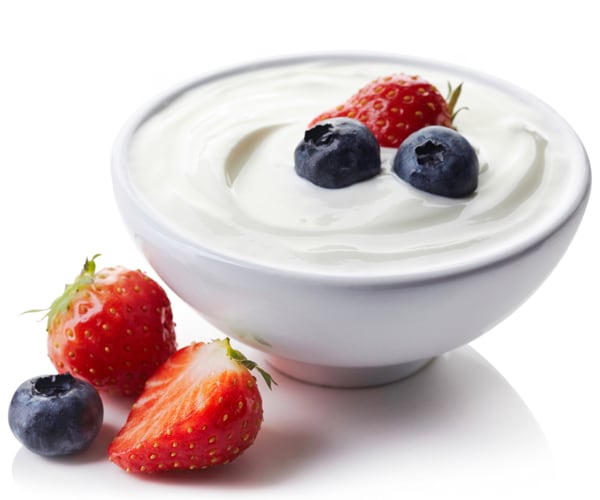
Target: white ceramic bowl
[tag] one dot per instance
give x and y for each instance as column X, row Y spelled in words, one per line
column 350, row 329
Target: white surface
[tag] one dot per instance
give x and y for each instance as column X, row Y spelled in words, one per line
column 513, row 414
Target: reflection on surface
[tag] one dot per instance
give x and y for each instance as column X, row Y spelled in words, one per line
column 455, row 428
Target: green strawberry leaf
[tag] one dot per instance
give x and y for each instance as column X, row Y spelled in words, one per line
column 250, row 365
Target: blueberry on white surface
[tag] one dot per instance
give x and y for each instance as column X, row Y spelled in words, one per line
column 438, row 160
column 55, row 415
column 337, row 152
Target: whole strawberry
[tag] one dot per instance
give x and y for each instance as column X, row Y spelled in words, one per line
column 200, row 409
column 112, row 328
column 395, row 106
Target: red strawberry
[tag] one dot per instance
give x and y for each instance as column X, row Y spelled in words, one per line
column 395, row 106
column 201, row 408
column 112, row 328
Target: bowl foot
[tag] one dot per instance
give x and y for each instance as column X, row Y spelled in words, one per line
column 346, row 377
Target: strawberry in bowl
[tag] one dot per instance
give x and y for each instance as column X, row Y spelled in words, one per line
column 394, row 106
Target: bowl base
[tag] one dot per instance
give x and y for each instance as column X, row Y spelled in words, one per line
column 346, row 377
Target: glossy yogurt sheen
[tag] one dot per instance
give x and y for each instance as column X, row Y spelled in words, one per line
column 216, row 164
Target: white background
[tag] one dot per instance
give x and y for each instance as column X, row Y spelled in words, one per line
column 514, row 414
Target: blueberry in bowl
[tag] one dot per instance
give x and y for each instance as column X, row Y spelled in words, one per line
column 55, row 415
column 337, row 153
column 438, row 160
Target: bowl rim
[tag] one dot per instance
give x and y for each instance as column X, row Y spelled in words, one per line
column 122, row 182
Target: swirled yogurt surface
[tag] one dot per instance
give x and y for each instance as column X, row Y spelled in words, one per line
column 216, row 164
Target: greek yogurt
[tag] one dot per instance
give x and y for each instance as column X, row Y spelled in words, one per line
column 216, row 163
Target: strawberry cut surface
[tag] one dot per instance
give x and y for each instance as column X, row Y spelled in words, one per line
column 200, row 409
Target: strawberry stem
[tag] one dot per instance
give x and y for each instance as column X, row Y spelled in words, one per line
column 452, row 99
column 250, row 365
column 89, row 267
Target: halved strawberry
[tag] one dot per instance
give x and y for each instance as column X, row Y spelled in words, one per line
column 112, row 328
column 201, row 408
column 395, row 106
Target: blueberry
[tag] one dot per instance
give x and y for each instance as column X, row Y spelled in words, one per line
column 338, row 152
column 438, row 160
column 55, row 415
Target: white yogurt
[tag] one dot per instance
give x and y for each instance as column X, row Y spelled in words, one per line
column 217, row 165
